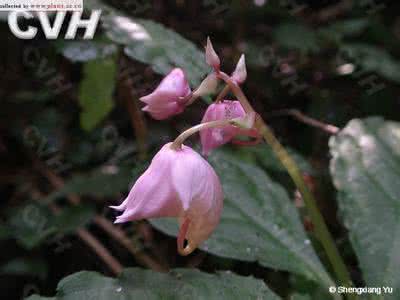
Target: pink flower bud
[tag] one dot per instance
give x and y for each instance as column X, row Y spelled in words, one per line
column 240, row 73
column 212, row 58
column 212, row 138
column 178, row 183
column 168, row 99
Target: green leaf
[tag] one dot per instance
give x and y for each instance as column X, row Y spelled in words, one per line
column 259, row 222
column 97, row 184
column 372, row 59
column 95, row 95
column 346, row 28
column 300, row 297
column 145, row 284
column 263, row 155
column 4, row 232
column 152, row 43
column 79, row 51
column 73, row 217
column 365, row 167
column 22, row 266
column 296, row 36
column 31, row 225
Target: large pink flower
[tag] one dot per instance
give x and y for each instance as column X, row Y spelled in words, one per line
column 212, row 138
column 178, row 183
column 170, row 97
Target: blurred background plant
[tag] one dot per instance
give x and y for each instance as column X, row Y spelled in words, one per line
column 324, row 74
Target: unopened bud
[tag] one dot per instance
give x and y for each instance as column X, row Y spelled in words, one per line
column 212, row 58
column 240, row 73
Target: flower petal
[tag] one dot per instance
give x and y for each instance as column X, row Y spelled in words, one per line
column 153, row 195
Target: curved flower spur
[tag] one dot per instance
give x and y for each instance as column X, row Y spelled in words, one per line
column 179, row 182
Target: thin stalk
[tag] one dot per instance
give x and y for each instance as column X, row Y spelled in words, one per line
column 177, row 143
column 321, row 230
column 114, row 265
column 306, row 120
column 222, row 94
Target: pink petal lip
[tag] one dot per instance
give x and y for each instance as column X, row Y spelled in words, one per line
column 212, row 138
column 170, row 96
column 181, row 184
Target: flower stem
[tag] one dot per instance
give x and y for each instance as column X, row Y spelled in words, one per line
column 177, row 143
column 321, row 229
column 222, row 94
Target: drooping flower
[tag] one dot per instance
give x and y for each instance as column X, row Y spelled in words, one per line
column 212, row 138
column 170, row 97
column 178, row 183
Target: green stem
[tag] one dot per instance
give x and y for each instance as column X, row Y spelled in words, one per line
column 321, row 230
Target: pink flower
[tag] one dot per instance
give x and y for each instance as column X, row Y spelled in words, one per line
column 212, row 138
column 170, row 97
column 178, row 183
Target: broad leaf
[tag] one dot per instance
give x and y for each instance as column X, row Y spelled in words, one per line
column 71, row 218
column 25, row 267
column 95, row 95
column 152, row 43
column 264, row 156
column 156, row 45
column 341, row 29
column 106, row 184
column 33, row 224
column 296, row 36
column 372, row 59
column 145, row 284
column 366, row 171
column 79, row 51
column 259, row 222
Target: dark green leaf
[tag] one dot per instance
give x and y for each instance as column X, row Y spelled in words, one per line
column 97, row 184
column 296, row 36
column 372, row 59
column 22, row 266
column 156, row 45
column 365, row 167
column 264, row 155
column 144, row 284
column 347, row 28
column 300, row 297
column 73, row 217
column 31, row 225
